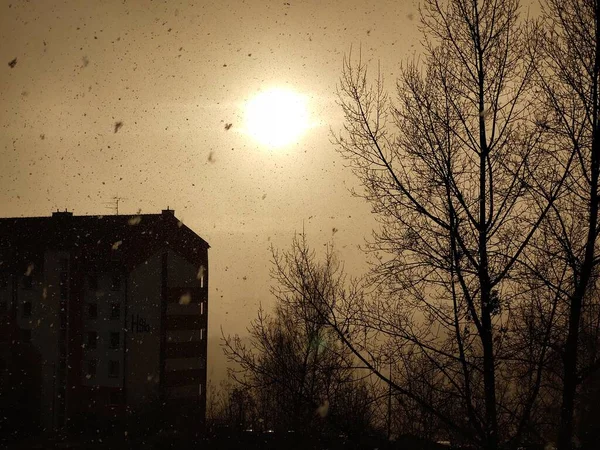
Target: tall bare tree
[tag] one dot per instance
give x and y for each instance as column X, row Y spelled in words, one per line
column 460, row 175
column 568, row 72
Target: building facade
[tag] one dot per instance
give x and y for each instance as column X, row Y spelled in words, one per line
column 102, row 315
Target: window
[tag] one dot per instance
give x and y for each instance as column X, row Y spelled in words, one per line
column 27, row 282
column 62, row 372
column 113, row 368
column 91, row 366
column 115, row 339
column 201, row 308
column 63, row 263
column 201, row 334
column 27, row 309
column 92, row 310
column 115, row 311
column 25, row 336
column 62, row 346
column 93, row 282
column 116, row 282
column 64, row 285
column 115, row 397
column 92, row 339
column 200, row 276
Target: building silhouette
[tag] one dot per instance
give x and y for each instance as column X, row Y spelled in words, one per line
column 101, row 316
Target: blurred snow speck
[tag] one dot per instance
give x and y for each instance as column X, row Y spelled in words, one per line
column 45, row 293
column 29, row 269
column 116, row 245
column 211, row 159
column 118, row 126
column 13, row 63
column 201, row 272
column 135, row 220
column 323, row 409
column 185, row 299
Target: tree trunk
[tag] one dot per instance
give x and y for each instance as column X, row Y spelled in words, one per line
column 570, row 381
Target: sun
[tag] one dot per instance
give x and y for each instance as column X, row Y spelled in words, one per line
column 277, row 117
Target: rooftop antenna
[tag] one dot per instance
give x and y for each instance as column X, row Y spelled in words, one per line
column 114, row 204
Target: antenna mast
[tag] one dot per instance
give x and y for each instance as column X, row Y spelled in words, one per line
column 114, row 204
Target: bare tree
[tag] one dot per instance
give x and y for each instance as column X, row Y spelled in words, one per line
column 460, row 175
column 568, row 73
column 295, row 365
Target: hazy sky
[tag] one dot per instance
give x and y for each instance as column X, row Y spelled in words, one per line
column 174, row 73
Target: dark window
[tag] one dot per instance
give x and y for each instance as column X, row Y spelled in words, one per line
column 62, row 346
column 115, row 311
column 91, row 368
column 93, row 282
column 27, row 309
column 63, row 263
column 64, row 285
column 115, row 340
column 92, row 311
column 27, row 282
column 115, row 284
column 92, row 339
column 25, row 336
column 113, row 369
column 62, row 349
column 115, row 397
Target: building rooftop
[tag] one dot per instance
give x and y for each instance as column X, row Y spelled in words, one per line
column 98, row 240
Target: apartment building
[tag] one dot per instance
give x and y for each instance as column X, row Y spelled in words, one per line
column 102, row 315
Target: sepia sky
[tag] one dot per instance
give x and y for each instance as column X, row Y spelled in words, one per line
column 174, row 74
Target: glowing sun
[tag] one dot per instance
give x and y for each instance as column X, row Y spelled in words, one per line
column 277, row 117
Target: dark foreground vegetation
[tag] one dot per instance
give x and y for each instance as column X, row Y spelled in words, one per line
column 224, row 439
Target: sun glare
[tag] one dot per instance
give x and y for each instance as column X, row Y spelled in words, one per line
column 277, row 117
